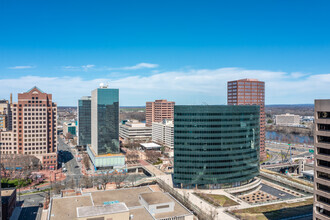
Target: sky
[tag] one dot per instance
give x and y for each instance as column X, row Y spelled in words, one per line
column 184, row 51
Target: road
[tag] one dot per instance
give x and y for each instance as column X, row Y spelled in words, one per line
column 30, row 207
column 71, row 164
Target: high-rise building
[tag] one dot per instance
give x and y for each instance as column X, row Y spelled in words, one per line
column 163, row 133
column 159, row 110
column 322, row 159
column 104, row 149
column 215, row 146
column 249, row 92
column 5, row 122
column 33, row 128
column 84, row 120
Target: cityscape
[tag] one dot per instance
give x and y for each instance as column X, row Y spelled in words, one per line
column 201, row 127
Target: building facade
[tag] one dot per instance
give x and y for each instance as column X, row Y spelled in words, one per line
column 8, row 202
column 69, row 128
column 159, row 110
column 134, row 131
column 104, row 149
column 322, row 160
column 5, row 115
column 215, row 146
column 250, row 92
column 163, row 133
column 287, row 120
column 34, row 130
column 84, row 120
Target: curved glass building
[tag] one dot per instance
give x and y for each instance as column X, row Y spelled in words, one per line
column 215, row 146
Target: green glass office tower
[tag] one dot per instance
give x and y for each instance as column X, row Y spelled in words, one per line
column 84, row 120
column 215, row 146
column 105, row 121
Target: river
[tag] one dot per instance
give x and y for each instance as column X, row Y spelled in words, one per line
column 292, row 138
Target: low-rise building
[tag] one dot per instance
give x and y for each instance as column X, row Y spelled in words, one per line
column 8, row 201
column 287, row 119
column 69, row 128
column 121, row 204
column 134, row 131
column 163, row 133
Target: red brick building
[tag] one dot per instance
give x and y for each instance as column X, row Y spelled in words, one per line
column 159, row 110
column 33, row 128
column 249, row 92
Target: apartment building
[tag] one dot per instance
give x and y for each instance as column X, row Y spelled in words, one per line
column 249, row 92
column 163, row 133
column 322, row 160
column 33, row 128
column 159, row 110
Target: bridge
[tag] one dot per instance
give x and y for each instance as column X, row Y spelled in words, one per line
column 291, row 167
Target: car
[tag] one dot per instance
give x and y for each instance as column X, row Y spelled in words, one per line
column 76, row 167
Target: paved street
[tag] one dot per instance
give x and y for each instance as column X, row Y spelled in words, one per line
column 30, row 207
column 71, row 164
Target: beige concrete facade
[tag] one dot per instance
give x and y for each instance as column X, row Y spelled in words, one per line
column 163, row 133
column 287, row 119
column 322, row 160
column 159, row 110
column 4, row 115
column 249, row 92
column 134, row 131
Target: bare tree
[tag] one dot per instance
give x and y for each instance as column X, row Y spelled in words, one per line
column 68, row 136
column 86, row 161
column 57, row 188
column 86, row 182
column 119, row 179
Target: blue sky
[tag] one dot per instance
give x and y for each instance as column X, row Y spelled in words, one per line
column 180, row 50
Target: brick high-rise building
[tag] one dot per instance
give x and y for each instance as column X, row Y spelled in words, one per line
column 33, row 128
column 159, row 110
column 322, row 160
column 249, row 92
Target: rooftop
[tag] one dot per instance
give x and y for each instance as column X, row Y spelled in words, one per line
column 90, row 211
column 6, row 194
column 66, row 207
column 129, row 196
column 150, row 145
column 153, row 198
column 92, row 204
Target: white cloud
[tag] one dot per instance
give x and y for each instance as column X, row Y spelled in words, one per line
column 185, row 87
column 140, row 66
column 21, row 67
column 79, row 68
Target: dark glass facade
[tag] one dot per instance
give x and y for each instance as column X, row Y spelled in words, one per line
column 105, row 104
column 84, row 121
column 215, row 146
